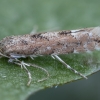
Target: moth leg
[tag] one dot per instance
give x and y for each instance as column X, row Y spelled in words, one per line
column 29, row 74
column 23, row 65
column 33, row 56
column 52, row 56
column 68, row 67
column 43, row 69
column 35, row 29
column 2, row 55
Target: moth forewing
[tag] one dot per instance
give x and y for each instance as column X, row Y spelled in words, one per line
column 50, row 43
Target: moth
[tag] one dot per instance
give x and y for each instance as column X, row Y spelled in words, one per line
column 49, row 43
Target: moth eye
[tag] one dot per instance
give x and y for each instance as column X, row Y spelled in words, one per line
column 1, row 44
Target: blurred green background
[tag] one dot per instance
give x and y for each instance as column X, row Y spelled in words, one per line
column 22, row 16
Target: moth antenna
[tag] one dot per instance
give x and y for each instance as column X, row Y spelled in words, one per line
column 68, row 67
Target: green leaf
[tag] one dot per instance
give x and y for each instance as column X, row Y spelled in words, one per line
column 13, row 79
column 19, row 17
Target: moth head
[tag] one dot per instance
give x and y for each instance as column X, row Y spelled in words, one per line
column 1, row 46
column 1, row 49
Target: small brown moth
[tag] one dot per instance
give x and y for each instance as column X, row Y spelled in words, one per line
column 49, row 43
